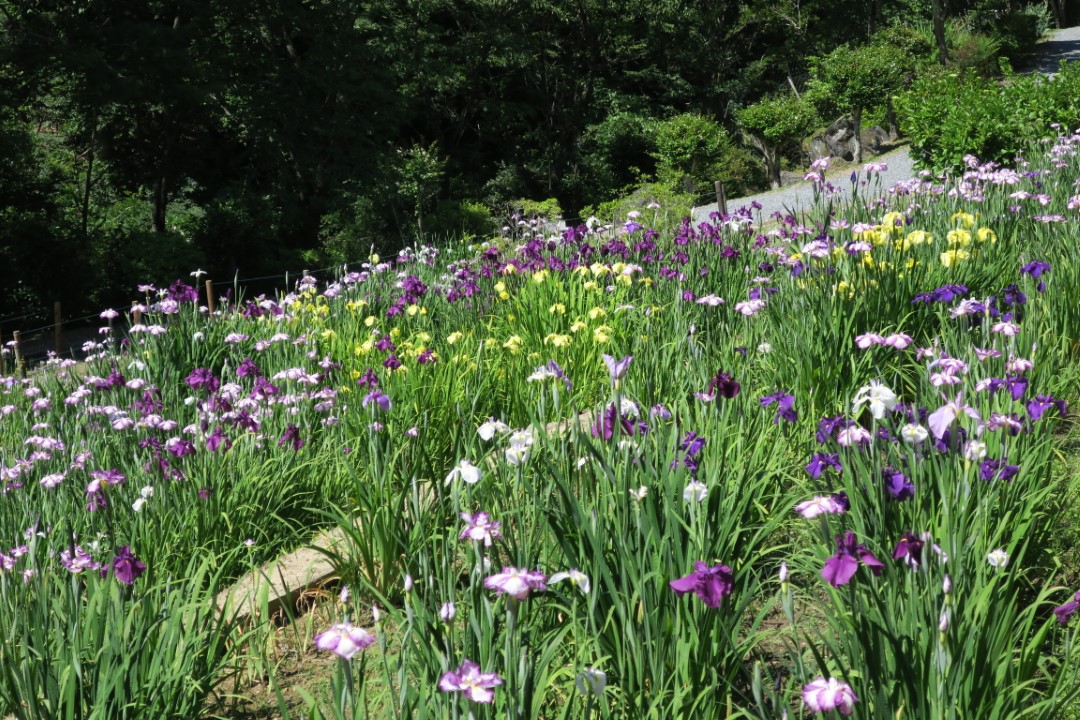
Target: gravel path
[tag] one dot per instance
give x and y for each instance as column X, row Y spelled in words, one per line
column 1060, row 45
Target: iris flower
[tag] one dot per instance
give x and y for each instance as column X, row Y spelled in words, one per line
column 841, row 567
column 470, row 682
column 711, row 584
column 617, row 368
column 517, row 583
column 344, row 640
column 1064, row 612
column 823, row 695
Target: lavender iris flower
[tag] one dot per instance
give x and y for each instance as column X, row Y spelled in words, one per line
column 711, row 584
column 480, row 528
column 344, row 640
column 835, row 504
column 379, row 398
column 617, row 368
column 470, row 682
column 517, row 583
column 940, row 420
column 823, row 696
column 841, row 567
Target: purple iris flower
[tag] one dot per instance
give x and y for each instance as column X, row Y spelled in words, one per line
column 784, row 406
column 1012, row 295
column 829, row 425
column 692, row 444
column 291, row 436
column 711, row 584
column 1064, row 612
column 897, row 485
column 610, row 420
column 368, row 379
column 1042, row 403
column 215, row 439
column 997, row 469
column 1018, row 385
column 264, row 388
column 385, row 344
column 248, row 368
column 560, row 374
column 202, row 378
column 909, row 549
column 819, row 462
column 181, row 447
column 1035, row 268
column 841, row 567
column 126, row 567
column 724, row 385
column 391, row 362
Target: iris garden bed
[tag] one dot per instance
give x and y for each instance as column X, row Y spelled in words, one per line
column 817, row 476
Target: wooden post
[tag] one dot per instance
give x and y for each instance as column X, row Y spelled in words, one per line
column 136, row 316
column 721, row 198
column 210, row 296
column 20, row 362
column 57, row 322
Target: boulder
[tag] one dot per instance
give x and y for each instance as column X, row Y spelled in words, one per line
column 838, row 140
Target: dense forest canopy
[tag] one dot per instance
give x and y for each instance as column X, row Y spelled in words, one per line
column 139, row 138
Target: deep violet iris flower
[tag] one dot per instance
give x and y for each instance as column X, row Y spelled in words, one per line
column 841, row 567
column 711, row 584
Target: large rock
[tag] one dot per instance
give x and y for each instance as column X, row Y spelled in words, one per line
column 838, row 140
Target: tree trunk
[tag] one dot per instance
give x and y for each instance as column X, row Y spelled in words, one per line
column 890, row 120
column 772, row 167
column 89, row 179
column 856, row 121
column 160, row 202
column 939, row 31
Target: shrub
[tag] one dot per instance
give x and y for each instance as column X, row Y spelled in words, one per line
column 950, row 116
column 693, row 151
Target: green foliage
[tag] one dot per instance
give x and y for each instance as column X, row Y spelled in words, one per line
column 855, row 78
column 548, row 209
column 614, row 154
column 672, row 202
column 460, row 219
column 776, row 122
column 948, row 116
column 87, row 646
column 778, row 119
column 692, row 151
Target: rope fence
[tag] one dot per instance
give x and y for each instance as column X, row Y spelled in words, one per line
column 24, row 345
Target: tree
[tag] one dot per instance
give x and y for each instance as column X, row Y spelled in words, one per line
column 858, row 78
column 774, row 122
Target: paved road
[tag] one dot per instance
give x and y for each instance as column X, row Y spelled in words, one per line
column 1060, row 45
